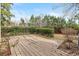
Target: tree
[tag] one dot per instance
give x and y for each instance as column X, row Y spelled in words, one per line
column 22, row 23
column 77, row 17
column 46, row 20
column 38, row 21
column 68, row 43
column 35, row 21
column 57, row 23
column 5, row 13
column 32, row 21
column 72, row 10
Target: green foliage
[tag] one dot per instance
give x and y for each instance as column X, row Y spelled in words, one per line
column 34, row 21
column 76, row 26
column 32, row 30
column 43, row 31
column 32, row 18
column 22, row 22
column 5, row 13
column 72, row 24
column 6, row 31
column 48, row 21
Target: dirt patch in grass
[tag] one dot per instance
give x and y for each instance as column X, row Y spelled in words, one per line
column 59, row 36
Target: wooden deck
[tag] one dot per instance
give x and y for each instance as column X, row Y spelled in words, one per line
column 31, row 45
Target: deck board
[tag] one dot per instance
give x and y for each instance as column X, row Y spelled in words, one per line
column 30, row 45
column 32, row 49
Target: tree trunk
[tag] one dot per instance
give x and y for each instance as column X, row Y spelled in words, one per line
column 78, row 40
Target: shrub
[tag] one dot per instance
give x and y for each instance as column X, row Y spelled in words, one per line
column 32, row 30
column 69, row 34
column 43, row 31
column 69, row 31
column 12, row 30
column 22, row 30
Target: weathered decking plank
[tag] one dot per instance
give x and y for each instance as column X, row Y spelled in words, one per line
column 41, row 48
column 27, row 47
column 13, row 53
column 32, row 49
column 30, row 45
column 52, row 51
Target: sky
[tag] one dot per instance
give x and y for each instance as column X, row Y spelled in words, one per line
column 25, row 10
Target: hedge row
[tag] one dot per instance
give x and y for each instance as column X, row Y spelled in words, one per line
column 5, row 31
column 21, row 30
column 43, row 31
